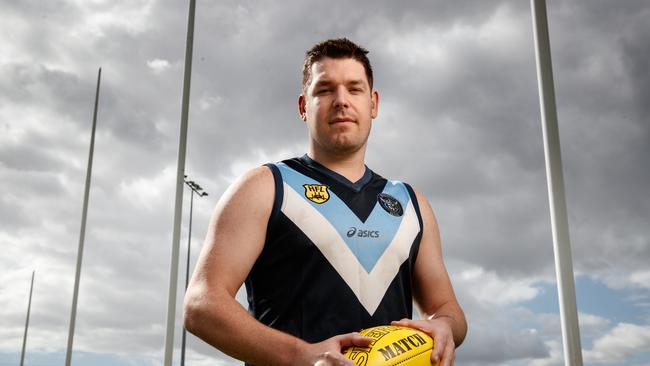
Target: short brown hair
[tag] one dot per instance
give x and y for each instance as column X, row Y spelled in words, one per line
column 335, row 48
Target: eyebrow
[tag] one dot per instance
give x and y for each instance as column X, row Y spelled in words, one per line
column 327, row 82
column 357, row 82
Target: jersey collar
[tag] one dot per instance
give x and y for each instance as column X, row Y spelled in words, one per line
column 356, row 186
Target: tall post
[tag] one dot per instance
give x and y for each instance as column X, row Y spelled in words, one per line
column 29, row 307
column 187, row 273
column 182, row 146
column 555, row 181
column 194, row 188
column 82, row 233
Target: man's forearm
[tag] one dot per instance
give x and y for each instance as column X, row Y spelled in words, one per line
column 223, row 323
column 452, row 314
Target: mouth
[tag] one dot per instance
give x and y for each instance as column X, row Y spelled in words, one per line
column 338, row 120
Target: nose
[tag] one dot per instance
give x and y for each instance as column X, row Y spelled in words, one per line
column 341, row 97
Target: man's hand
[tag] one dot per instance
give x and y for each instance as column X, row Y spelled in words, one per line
column 328, row 352
column 444, row 348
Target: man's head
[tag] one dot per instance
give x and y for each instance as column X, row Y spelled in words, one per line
column 337, row 49
column 337, row 102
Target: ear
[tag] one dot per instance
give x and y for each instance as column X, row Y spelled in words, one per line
column 374, row 104
column 302, row 108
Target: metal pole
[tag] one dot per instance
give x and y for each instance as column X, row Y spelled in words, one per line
column 187, row 272
column 182, row 146
column 82, row 234
column 29, row 307
column 555, row 180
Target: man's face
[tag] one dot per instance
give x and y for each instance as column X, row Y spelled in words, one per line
column 338, row 105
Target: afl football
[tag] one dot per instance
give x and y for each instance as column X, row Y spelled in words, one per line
column 392, row 346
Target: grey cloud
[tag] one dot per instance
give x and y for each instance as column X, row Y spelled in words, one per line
column 492, row 346
column 468, row 131
column 605, row 136
column 13, row 214
column 33, row 158
column 27, row 85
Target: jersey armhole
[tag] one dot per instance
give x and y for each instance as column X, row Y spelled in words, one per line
column 279, row 192
column 416, row 205
column 415, row 250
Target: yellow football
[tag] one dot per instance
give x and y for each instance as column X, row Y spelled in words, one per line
column 391, row 346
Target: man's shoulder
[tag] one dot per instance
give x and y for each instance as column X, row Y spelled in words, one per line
column 255, row 179
column 292, row 160
column 259, row 173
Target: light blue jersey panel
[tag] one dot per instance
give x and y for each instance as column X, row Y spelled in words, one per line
column 351, row 229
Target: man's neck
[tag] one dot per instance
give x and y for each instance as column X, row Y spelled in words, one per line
column 351, row 166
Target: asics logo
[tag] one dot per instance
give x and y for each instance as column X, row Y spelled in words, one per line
column 362, row 233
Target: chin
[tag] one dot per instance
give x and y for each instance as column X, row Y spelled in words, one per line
column 342, row 148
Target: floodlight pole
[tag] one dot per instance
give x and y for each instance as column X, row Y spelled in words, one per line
column 194, row 188
column 555, row 181
column 82, row 233
column 182, row 147
column 29, row 307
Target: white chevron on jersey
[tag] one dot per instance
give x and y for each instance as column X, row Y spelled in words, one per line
column 368, row 287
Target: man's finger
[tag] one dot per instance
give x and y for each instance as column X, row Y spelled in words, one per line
column 438, row 347
column 415, row 324
column 353, row 339
column 404, row 323
column 448, row 354
column 453, row 358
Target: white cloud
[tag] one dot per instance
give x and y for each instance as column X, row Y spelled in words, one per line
column 592, row 320
column 641, row 279
column 489, row 287
column 208, row 101
column 102, row 17
column 500, row 331
column 624, row 279
column 146, row 192
column 158, row 65
column 555, row 356
column 621, row 343
column 258, row 157
column 591, row 326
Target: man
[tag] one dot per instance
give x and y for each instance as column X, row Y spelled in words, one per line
column 324, row 245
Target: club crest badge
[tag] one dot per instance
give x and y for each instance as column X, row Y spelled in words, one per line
column 316, row 193
column 390, row 204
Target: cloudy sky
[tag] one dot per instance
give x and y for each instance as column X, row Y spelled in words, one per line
column 459, row 119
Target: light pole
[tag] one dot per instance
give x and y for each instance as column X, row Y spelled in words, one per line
column 82, row 231
column 194, row 188
column 29, row 307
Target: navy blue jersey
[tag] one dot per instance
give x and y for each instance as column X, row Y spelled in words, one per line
column 338, row 256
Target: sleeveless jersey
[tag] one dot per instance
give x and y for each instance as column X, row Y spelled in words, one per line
column 338, row 256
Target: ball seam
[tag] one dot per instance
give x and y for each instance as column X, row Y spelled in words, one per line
column 415, row 355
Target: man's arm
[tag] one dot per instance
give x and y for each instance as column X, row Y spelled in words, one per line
column 234, row 240
column 434, row 294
